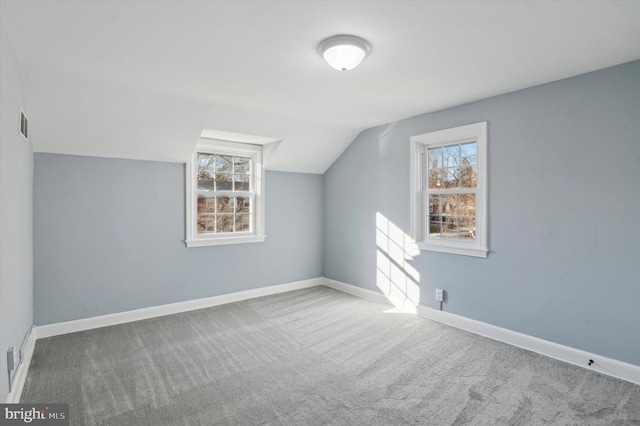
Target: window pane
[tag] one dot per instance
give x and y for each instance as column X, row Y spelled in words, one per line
column 206, row 172
column 468, row 176
column 434, row 229
column 467, row 205
column 450, row 205
column 225, row 204
column 243, row 204
column 467, row 229
column 241, row 182
column 451, row 156
column 452, row 216
column 224, row 223
column 223, row 182
column 469, row 154
column 206, row 163
column 206, row 224
column 435, row 215
column 435, row 178
column 243, row 223
column 434, row 207
column 206, row 204
column 450, row 228
column 452, row 177
column 224, row 164
column 206, row 184
column 435, row 157
column 241, row 165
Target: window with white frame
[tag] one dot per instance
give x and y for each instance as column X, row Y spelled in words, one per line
column 449, row 190
column 225, row 191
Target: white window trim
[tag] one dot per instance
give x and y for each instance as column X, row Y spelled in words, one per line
column 476, row 132
column 225, row 148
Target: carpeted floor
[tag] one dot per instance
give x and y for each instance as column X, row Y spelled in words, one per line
column 312, row 357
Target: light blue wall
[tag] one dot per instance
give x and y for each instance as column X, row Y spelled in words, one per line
column 564, row 212
column 16, row 210
column 564, row 172
column 109, row 238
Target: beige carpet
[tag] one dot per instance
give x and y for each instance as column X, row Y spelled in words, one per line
column 312, row 357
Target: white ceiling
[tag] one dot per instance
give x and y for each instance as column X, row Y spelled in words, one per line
column 142, row 79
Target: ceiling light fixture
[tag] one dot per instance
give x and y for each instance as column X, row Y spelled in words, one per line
column 344, row 52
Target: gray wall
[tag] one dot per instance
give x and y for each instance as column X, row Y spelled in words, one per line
column 109, row 238
column 16, row 210
column 564, row 209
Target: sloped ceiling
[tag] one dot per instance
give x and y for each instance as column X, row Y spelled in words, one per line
column 142, row 79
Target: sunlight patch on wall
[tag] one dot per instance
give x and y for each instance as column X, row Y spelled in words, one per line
column 395, row 277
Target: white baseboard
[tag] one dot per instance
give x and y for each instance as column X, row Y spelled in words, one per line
column 23, row 368
column 601, row 364
column 371, row 295
column 56, row 329
column 400, row 305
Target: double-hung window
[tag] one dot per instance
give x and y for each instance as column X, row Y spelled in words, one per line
column 225, row 191
column 449, row 190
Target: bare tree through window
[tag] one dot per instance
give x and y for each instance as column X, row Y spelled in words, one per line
column 452, row 176
column 224, row 198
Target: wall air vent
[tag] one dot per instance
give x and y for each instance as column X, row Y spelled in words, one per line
column 24, row 125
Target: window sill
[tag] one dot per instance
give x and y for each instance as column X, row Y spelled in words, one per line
column 464, row 251
column 204, row 242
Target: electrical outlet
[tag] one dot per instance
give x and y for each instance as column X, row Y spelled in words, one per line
column 439, row 294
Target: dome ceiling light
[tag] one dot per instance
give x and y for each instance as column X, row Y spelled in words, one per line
column 344, row 52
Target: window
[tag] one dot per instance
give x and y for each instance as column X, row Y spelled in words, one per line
column 449, row 190
column 225, row 190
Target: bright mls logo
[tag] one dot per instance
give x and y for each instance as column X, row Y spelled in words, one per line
column 34, row 414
